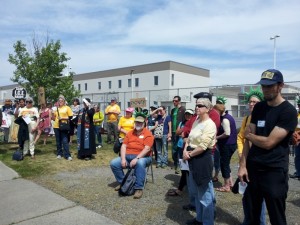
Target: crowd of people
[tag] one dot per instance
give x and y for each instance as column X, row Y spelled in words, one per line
column 203, row 141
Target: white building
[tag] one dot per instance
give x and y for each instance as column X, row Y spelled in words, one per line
column 158, row 83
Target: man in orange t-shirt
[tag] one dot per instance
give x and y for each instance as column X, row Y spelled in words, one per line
column 135, row 153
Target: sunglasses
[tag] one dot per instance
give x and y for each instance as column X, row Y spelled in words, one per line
column 175, row 101
column 200, row 106
column 28, row 101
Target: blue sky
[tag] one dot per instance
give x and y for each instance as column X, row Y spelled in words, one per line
column 230, row 38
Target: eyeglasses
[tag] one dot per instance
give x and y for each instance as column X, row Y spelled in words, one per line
column 175, row 100
column 29, row 102
column 200, row 106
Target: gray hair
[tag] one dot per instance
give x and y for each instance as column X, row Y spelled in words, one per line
column 206, row 102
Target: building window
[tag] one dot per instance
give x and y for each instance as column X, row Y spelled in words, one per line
column 136, row 82
column 85, row 86
column 99, row 85
column 120, row 83
column 172, row 79
column 109, row 84
column 155, row 80
column 79, row 87
column 129, row 82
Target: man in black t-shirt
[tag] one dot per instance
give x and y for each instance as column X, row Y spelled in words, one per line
column 264, row 164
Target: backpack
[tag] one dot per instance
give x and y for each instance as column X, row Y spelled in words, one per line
column 127, row 186
column 18, row 155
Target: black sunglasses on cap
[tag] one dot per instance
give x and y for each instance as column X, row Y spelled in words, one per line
column 200, row 106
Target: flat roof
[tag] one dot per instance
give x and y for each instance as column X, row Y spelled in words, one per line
column 146, row 68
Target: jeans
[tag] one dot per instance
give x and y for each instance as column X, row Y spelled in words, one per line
column 191, row 190
column 139, row 169
column 112, row 128
column 226, row 152
column 62, row 143
column 297, row 159
column 247, row 211
column 162, row 150
column 204, row 200
column 98, row 134
column 175, row 152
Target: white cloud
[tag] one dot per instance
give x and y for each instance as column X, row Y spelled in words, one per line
column 228, row 37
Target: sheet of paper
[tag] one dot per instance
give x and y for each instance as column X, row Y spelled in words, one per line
column 184, row 164
column 27, row 119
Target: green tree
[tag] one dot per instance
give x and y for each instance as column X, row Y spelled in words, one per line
column 43, row 67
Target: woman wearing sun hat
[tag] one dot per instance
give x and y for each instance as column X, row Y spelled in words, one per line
column 126, row 123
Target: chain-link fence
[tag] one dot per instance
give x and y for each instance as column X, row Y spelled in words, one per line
column 235, row 95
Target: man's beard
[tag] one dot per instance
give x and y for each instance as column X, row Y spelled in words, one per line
column 138, row 128
column 271, row 97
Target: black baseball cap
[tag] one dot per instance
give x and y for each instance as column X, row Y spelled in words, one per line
column 203, row 95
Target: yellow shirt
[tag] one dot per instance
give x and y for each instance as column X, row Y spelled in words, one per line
column 113, row 112
column 98, row 116
column 126, row 124
column 298, row 125
column 64, row 112
column 203, row 134
column 241, row 136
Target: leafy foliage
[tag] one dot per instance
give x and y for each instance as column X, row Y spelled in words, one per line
column 43, row 68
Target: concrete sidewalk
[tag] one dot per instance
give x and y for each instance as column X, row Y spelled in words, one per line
column 26, row 203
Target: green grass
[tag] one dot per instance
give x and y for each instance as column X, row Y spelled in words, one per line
column 46, row 162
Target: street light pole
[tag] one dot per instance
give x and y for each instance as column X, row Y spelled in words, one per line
column 274, row 56
column 131, row 74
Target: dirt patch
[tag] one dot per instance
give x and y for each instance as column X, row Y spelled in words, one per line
column 93, row 188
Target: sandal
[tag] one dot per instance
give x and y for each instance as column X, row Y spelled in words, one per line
column 215, row 179
column 223, row 189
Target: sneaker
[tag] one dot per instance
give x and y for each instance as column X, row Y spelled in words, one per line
column 99, row 146
column 69, row 158
column 138, row 194
column 118, row 188
column 58, row 157
column 163, row 166
column 189, row 207
column 177, row 170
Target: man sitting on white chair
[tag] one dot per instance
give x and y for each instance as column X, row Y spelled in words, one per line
column 135, row 153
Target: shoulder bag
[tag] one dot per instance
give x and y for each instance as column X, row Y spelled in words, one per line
column 63, row 126
column 159, row 130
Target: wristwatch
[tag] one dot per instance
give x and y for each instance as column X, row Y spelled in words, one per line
column 138, row 158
